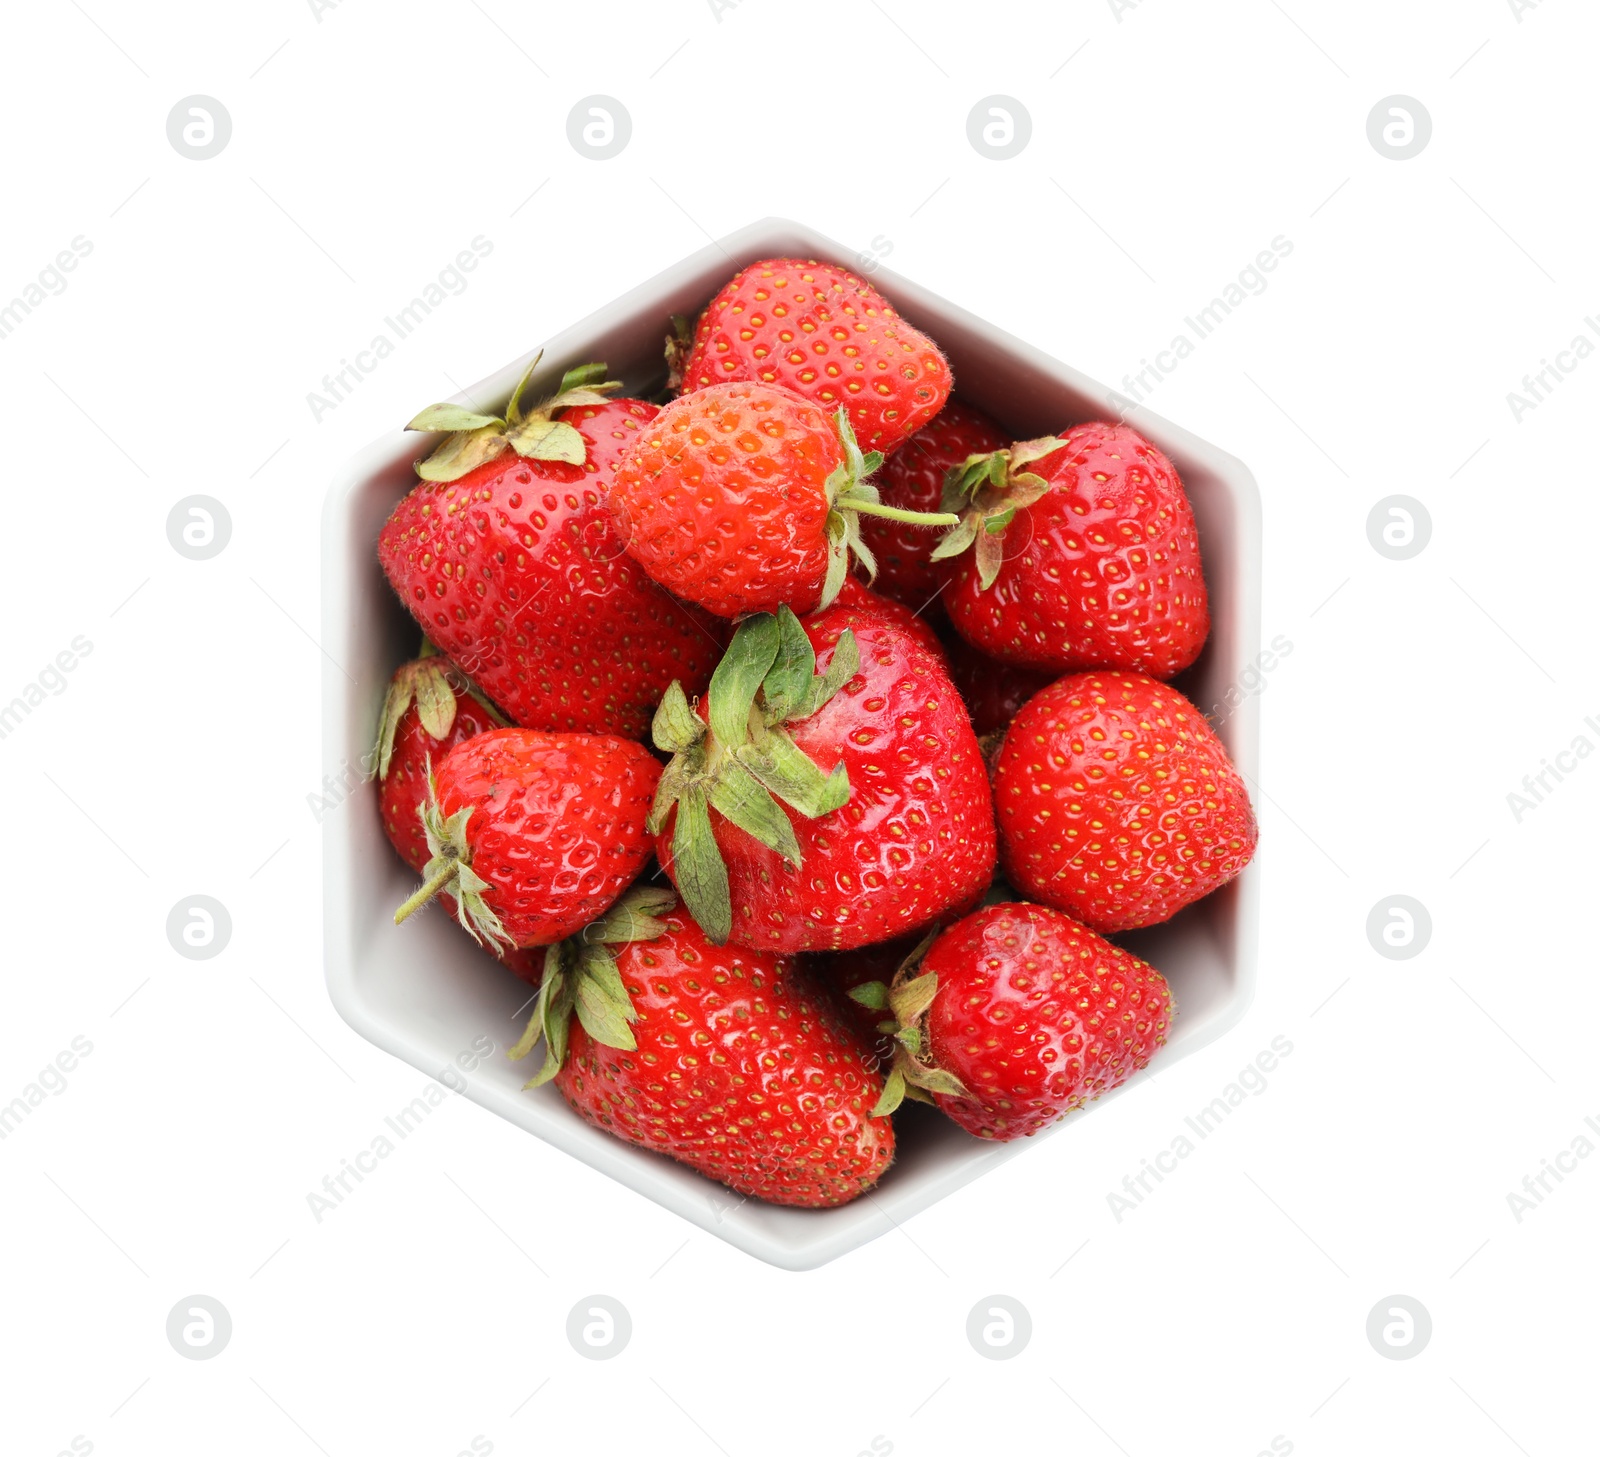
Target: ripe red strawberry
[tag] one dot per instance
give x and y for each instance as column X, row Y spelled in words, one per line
column 719, row 1057
column 744, row 498
column 993, row 691
column 913, row 479
column 885, row 818
column 862, row 604
column 1084, row 555
column 506, row 555
column 1117, row 803
column 1017, row 1016
column 826, row 335
column 429, row 709
column 536, row 834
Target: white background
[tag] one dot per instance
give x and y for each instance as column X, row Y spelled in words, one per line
column 1170, row 145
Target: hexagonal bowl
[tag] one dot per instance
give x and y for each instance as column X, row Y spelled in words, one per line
column 424, row 993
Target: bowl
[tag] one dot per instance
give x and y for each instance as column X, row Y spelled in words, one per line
column 425, row 993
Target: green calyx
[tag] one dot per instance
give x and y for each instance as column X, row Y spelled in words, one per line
column 907, row 999
column 580, row 975
column 852, row 495
column 533, row 434
column 743, row 762
column 431, row 682
column 449, row 869
column 988, row 491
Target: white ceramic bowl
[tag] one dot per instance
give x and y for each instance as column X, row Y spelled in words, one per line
column 425, row 993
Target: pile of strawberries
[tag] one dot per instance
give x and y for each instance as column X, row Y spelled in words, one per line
column 739, row 818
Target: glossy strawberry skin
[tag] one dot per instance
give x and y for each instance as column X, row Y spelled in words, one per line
column 404, row 789
column 724, row 500
column 741, row 1071
column 862, row 603
column 828, row 336
column 1117, row 803
column 517, row 574
column 916, row 836
column 1101, row 572
column 993, row 691
column 557, row 827
column 1037, row 1015
column 913, row 479
column 610, row 431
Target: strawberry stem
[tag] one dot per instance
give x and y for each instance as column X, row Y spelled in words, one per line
column 894, row 513
column 426, row 892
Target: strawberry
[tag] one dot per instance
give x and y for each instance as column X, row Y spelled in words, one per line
column 826, row 335
column 429, row 709
column 863, row 604
column 993, row 691
column 745, row 497
column 885, row 818
column 1017, row 1016
column 1084, row 555
column 506, row 555
column 716, row 1056
column 913, row 479
column 1117, row 803
column 535, row 834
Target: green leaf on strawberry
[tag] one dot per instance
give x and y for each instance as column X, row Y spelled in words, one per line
column 431, row 682
column 907, row 999
column 450, row 869
column 740, row 761
column 581, row 978
column 988, row 491
column 535, row 434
